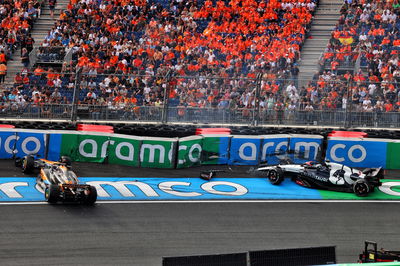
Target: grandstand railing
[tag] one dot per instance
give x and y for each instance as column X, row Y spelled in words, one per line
column 131, row 113
column 32, row 57
column 68, row 55
column 51, row 54
column 347, row 61
column 203, row 99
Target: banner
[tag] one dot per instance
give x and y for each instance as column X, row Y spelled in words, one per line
column 215, row 149
column 393, row 154
column 124, row 150
column 31, row 143
column 91, row 148
column 355, row 152
column 62, row 143
column 274, row 148
column 189, row 151
column 197, row 150
column 158, row 152
column 7, row 142
column 304, row 148
column 245, row 150
column 21, row 142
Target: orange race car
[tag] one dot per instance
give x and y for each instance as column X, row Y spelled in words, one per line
column 59, row 182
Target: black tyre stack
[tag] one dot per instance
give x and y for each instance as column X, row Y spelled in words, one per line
column 169, row 130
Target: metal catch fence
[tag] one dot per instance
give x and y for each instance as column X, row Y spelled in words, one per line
column 87, row 112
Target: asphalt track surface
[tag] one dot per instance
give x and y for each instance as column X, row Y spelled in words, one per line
column 142, row 233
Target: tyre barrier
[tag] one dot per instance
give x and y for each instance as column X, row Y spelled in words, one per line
column 152, row 130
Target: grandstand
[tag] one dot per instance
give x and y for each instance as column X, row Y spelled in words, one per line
column 304, row 62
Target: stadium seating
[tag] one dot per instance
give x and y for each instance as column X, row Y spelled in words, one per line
column 16, row 19
column 230, row 40
column 363, row 51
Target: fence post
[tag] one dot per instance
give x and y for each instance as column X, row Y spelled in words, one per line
column 256, row 111
column 349, row 104
column 78, row 76
column 167, row 89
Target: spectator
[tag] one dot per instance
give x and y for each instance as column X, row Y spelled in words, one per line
column 29, row 41
column 3, row 57
column 25, row 57
column 279, row 109
column 52, row 6
column 3, row 72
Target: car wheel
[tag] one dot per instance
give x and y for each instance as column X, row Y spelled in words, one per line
column 361, row 188
column 92, row 197
column 275, row 177
column 52, row 193
column 28, row 164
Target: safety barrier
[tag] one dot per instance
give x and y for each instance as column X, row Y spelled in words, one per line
column 153, row 152
column 235, row 259
column 295, row 256
column 279, row 257
column 364, row 152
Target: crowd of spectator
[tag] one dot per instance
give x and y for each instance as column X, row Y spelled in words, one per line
column 16, row 20
column 211, row 54
column 368, row 36
column 133, row 51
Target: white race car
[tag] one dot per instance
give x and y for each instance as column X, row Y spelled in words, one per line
column 327, row 176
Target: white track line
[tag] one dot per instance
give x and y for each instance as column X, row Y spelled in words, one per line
column 209, row 201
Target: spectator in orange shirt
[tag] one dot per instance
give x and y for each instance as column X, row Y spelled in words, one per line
column 3, row 72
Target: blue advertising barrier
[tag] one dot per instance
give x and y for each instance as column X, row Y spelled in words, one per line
column 53, row 152
column 111, row 189
column 274, row 148
column 305, row 147
column 224, row 142
column 245, row 150
column 355, row 152
column 7, row 144
column 20, row 143
column 30, row 143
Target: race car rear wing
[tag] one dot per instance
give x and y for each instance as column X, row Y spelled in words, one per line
column 65, row 186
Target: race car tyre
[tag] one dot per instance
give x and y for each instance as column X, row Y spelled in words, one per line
column 66, row 160
column 52, row 193
column 275, row 177
column 92, row 197
column 28, row 164
column 361, row 188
